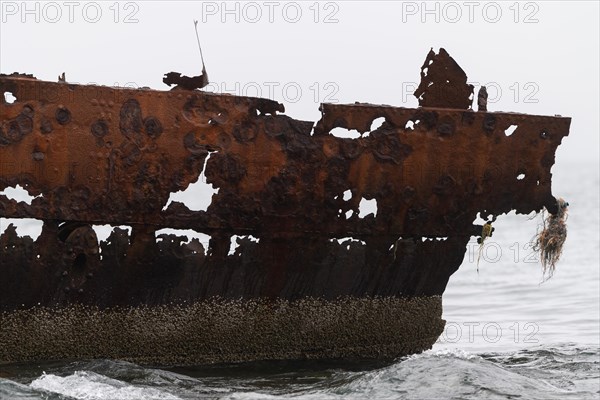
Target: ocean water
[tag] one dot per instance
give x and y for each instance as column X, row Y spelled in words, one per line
column 510, row 334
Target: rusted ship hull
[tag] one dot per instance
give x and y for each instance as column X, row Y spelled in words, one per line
column 97, row 155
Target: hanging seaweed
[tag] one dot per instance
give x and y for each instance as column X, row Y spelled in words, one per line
column 550, row 238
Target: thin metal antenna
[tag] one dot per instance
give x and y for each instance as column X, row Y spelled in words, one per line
column 198, row 38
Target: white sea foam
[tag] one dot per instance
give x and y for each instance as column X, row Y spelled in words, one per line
column 83, row 385
column 452, row 353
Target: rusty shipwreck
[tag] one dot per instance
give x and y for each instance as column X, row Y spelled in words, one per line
column 95, row 155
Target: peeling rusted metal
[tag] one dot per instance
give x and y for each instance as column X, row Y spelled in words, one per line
column 99, row 155
column 186, row 82
column 443, row 83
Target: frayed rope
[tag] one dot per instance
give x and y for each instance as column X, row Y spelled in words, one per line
column 550, row 238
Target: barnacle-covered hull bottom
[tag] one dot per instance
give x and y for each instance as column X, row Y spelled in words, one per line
column 295, row 264
column 226, row 331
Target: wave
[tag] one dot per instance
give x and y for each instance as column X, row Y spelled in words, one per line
column 561, row 371
column 91, row 386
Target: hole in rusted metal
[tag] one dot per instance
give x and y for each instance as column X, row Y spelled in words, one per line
column 520, row 177
column 410, row 124
column 510, row 130
column 376, row 124
column 345, row 133
column 367, row 207
column 347, row 195
column 312, row 130
column 17, row 193
column 479, row 219
column 348, row 241
column 198, row 195
column 197, row 241
column 104, row 231
column 23, row 226
column 236, row 241
column 9, row 98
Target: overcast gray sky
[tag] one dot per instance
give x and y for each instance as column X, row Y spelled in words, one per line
column 536, row 57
